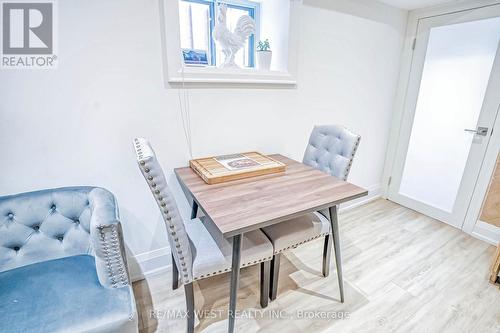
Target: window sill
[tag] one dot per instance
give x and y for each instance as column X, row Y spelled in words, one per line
column 237, row 75
column 285, row 70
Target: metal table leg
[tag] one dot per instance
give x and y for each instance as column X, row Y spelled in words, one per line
column 336, row 245
column 235, row 281
column 327, row 252
column 194, row 210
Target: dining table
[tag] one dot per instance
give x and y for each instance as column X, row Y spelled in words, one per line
column 243, row 205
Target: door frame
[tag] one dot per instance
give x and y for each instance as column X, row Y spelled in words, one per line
column 400, row 102
column 472, row 225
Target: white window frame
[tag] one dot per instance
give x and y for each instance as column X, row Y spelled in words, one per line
column 176, row 72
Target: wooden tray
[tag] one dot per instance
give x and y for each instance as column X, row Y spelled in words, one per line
column 213, row 172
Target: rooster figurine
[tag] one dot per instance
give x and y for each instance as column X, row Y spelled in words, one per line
column 231, row 41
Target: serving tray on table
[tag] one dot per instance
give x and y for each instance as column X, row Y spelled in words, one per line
column 220, row 169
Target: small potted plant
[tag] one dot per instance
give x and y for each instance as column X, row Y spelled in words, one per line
column 264, row 55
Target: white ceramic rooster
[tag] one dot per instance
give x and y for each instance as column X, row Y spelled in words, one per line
column 231, row 41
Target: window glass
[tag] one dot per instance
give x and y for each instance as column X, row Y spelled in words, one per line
column 196, row 20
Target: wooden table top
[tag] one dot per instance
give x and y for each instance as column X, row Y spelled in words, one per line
column 248, row 204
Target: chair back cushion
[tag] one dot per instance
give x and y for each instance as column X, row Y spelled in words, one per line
column 177, row 236
column 331, row 149
column 44, row 225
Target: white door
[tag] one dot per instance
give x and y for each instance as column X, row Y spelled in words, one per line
column 451, row 105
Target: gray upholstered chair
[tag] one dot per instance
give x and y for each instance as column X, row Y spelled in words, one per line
column 330, row 149
column 198, row 249
column 62, row 263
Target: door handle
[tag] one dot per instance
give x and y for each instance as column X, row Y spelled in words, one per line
column 479, row 131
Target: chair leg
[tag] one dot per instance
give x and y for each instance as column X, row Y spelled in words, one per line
column 336, row 246
column 188, row 290
column 265, row 270
column 175, row 275
column 275, row 271
column 327, row 251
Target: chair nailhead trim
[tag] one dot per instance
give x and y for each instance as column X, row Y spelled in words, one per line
column 163, row 200
column 348, row 169
column 251, row 263
column 112, row 255
column 297, row 244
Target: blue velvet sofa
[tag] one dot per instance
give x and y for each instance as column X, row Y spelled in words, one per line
column 62, row 263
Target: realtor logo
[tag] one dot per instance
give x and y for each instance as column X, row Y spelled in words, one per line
column 28, row 34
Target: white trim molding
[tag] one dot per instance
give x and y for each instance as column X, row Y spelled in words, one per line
column 374, row 192
column 150, row 263
column 483, row 181
column 486, row 232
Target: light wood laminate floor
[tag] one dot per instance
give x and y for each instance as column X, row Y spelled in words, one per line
column 403, row 272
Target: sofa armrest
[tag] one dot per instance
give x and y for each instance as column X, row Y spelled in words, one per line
column 107, row 240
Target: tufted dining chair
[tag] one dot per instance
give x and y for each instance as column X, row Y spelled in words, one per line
column 198, row 249
column 331, row 149
column 62, row 263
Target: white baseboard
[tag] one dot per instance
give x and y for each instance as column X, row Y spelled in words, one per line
column 486, row 232
column 374, row 192
column 159, row 260
column 150, row 263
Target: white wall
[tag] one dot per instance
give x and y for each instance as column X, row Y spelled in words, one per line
column 74, row 125
column 275, row 25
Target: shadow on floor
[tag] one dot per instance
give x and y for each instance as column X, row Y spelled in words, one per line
column 302, row 287
column 145, row 307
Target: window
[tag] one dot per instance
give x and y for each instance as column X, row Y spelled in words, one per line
column 197, row 20
column 187, row 26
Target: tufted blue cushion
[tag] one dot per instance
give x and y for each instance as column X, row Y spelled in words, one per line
column 44, row 225
column 331, row 149
column 63, row 295
column 62, row 263
column 56, row 223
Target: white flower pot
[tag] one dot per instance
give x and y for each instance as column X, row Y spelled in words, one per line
column 264, row 60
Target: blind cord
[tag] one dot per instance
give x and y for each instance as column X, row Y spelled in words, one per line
column 184, row 107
